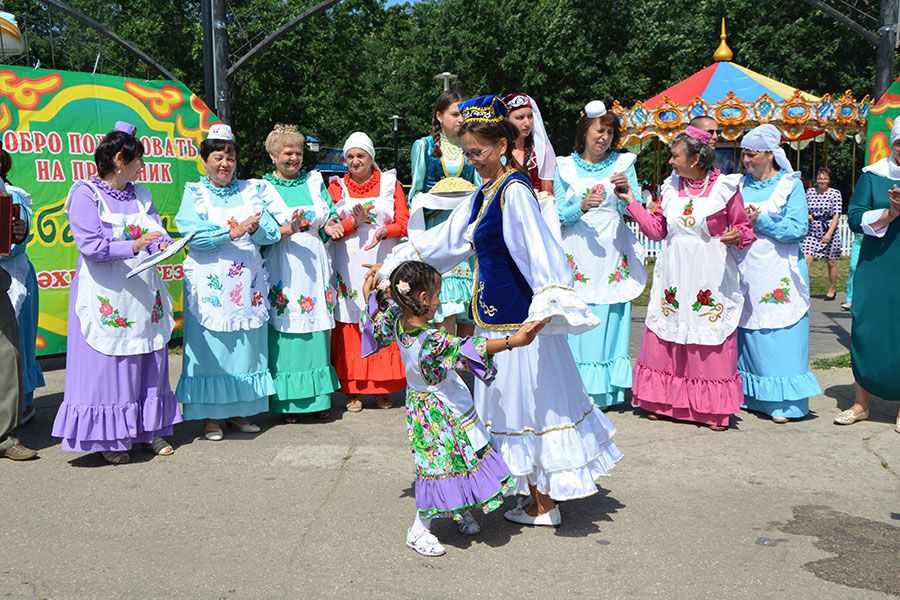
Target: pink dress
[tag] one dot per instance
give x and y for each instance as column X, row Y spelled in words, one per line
column 692, row 375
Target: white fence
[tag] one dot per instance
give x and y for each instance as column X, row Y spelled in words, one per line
column 651, row 248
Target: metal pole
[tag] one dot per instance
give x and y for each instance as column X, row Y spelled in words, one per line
column 221, row 90
column 396, row 131
column 209, row 90
column 884, row 51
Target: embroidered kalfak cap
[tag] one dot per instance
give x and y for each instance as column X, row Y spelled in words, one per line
column 483, row 109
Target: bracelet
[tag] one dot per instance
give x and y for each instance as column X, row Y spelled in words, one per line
column 508, row 347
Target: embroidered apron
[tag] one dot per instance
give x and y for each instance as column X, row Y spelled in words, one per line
column 696, row 295
column 605, row 256
column 225, row 289
column 299, row 267
column 121, row 316
column 776, row 294
column 348, row 254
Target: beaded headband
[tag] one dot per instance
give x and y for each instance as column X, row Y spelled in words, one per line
column 483, row 109
column 281, row 128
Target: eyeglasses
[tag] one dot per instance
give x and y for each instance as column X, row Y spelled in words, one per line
column 476, row 155
column 715, row 132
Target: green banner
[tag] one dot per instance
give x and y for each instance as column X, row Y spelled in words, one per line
column 52, row 122
column 880, row 122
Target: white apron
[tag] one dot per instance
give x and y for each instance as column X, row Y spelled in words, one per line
column 696, row 295
column 18, row 266
column 300, row 297
column 775, row 291
column 226, row 289
column 605, row 256
column 121, row 316
column 347, row 253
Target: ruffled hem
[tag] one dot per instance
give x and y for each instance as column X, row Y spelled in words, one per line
column 300, row 405
column 456, row 289
column 302, row 324
column 483, row 487
column 563, row 462
column 195, row 412
column 224, row 389
column 613, row 397
column 565, row 310
column 450, row 309
column 231, row 325
column 718, row 397
column 790, row 409
column 780, row 389
column 386, row 365
column 305, row 384
column 686, row 334
column 79, row 425
column 607, row 376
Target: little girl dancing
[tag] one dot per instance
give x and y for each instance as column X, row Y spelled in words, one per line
column 456, row 467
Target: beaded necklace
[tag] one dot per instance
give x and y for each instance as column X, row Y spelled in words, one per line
column 359, row 189
column 223, row 192
column 276, row 180
column 595, row 167
column 451, row 153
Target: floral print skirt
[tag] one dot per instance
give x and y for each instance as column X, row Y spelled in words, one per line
column 451, row 475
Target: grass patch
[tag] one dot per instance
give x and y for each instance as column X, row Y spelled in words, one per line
column 832, row 362
column 818, row 279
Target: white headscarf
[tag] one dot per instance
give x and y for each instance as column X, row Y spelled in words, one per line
column 546, row 165
column 886, row 167
column 767, row 138
column 360, row 140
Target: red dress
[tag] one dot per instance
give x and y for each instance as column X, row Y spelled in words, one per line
column 383, row 372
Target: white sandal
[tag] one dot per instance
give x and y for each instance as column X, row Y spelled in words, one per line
column 424, row 543
column 468, row 525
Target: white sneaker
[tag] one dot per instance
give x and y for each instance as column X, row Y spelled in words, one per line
column 424, row 543
column 845, row 306
column 848, row 417
column 550, row 518
column 468, row 525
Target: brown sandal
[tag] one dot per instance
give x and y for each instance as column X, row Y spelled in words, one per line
column 383, row 401
column 290, row 419
column 354, row 403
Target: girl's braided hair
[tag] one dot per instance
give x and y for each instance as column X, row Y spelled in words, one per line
column 418, row 277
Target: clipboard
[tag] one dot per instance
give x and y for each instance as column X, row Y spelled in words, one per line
column 154, row 259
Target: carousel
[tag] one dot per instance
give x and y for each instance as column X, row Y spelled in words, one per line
column 740, row 99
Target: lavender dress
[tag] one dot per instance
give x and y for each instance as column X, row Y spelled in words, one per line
column 110, row 402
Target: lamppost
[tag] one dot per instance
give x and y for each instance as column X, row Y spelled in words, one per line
column 396, row 135
column 447, row 76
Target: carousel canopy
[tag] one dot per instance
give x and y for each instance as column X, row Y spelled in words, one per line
column 739, row 99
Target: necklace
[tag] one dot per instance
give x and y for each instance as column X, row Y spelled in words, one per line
column 360, row 189
column 690, row 184
column 223, row 192
column 594, row 167
column 276, row 180
column 452, row 153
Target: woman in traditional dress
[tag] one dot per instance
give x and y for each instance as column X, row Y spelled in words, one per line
column 533, row 149
column 773, row 333
column 824, row 242
column 23, row 293
column 225, row 372
column 117, row 361
column 554, row 440
column 687, row 368
column 374, row 214
column 301, row 299
column 605, row 257
column 434, row 158
column 874, row 208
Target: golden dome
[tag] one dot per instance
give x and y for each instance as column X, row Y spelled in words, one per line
column 723, row 53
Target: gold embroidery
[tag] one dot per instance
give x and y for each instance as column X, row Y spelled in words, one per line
column 489, row 309
column 419, row 254
column 714, row 314
column 554, row 287
column 548, row 430
column 688, row 221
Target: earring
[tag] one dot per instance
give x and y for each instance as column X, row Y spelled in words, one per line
column 118, row 171
column 503, row 160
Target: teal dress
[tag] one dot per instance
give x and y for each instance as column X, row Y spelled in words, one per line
column 224, row 374
column 428, row 170
column 876, row 293
column 774, row 363
column 300, row 363
column 602, row 354
column 32, row 375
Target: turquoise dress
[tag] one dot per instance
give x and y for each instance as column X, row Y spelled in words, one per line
column 774, row 363
column 224, row 374
column 300, row 363
column 427, row 170
column 32, row 375
column 602, row 354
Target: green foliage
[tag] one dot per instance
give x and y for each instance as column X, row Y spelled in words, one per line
column 358, row 63
column 832, row 362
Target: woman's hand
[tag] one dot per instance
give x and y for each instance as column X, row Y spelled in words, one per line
column 526, row 334
column 621, row 188
column 19, row 230
column 731, row 237
column 380, row 234
column 372, row 271
column 334, row 228
column 251, row 223
column 163, row 246
column 752, row 214
column 369, row 282
column 359, row 215
column 826, row 239
column 144, row 241
column 591, row 201
column 894, row 198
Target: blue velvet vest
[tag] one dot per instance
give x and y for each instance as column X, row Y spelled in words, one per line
column 501, row 295
column 434, row 172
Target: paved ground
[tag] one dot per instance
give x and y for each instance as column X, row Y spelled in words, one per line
column 319, row 510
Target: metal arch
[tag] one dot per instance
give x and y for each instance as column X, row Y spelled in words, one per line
column 265, row 43
column 89, row 22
